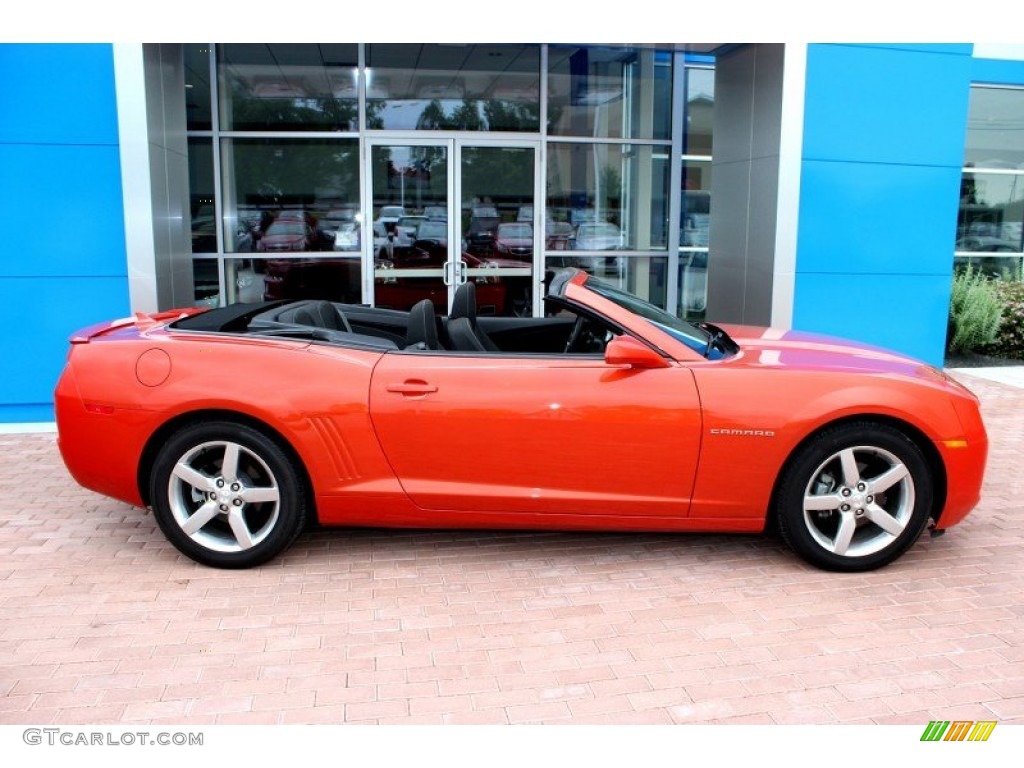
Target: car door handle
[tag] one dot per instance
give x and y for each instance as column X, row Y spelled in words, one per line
column 412, row 387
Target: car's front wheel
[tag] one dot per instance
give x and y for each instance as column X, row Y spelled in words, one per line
column 226, row 495
column 855, row 497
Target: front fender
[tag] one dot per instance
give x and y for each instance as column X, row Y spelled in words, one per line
column 755, row 419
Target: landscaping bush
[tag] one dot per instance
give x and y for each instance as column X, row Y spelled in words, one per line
column 1009, row 341
column 975, row 310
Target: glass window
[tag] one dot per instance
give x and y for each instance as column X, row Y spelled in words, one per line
column 991, row 212
column 334, row 278
column 609, row 92
column 694, row 230
column 695, row 209
column 992, row 204
column 289, row 87
column 641, row 276
column 695, row 221
column 497, row 188
column 990, row 224
column 205, row 282
column 995, row 128
column 289, row 195
column 615, row 196
column 198, row 111
column 693, row 284
column 288, row 203
column 463, row 87
column 408, row 181
column 700, row 108
column 201, row 204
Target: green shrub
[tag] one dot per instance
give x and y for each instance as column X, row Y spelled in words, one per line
column 975, row 310
column 1009, row 341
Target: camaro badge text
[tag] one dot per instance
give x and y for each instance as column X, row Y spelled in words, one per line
column 744, row 432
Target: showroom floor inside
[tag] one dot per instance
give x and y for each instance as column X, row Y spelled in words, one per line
column 101, row 621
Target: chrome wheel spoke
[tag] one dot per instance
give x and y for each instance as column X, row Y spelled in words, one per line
column 822, row 502
column 193, row 477
column 199, row 518
column 259, row 495
column 847, row 527
column 887, row 479
column 884, row 520
column 229, row 468
column 851, row 474
column 240, row 529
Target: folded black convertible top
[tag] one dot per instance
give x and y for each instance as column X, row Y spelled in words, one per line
column 230, row 319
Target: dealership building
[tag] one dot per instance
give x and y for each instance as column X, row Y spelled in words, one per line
column 823, row 187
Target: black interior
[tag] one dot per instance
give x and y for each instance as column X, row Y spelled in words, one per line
column 566, row 331
column 464, row 333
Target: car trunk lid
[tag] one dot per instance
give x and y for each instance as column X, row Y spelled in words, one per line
column 141, row 320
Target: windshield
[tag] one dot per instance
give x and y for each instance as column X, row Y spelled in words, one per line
column 410, row 222
column 433, row 229
column 599, row 230
column 695, row 338
column 287, row 227
column 524, row 231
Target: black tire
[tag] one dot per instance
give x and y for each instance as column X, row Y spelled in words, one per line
column 854, row 497
column 237, row 518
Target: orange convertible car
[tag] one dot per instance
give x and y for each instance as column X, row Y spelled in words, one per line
column 240, row 425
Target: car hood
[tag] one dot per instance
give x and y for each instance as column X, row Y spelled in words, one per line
column 774, row 347
column 597, row 243
column 497, row 262
column 281, row 240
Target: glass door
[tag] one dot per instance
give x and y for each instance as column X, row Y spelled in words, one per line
column 410, row 223
column 446, row 211
column 497, row 188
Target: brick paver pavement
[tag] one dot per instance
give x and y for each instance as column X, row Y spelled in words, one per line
column 101, row 621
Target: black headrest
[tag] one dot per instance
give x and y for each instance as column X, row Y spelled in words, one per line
column 304, row 316
column 329, row 316
column 422, row 330
column 463, row 337
column 319, row 314
column 464, row 302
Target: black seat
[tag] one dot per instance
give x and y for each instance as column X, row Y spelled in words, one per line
column 463, row 330
column 319, row 314
column 422, row 332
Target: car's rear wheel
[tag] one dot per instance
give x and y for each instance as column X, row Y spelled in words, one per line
column 855, row 497
column 227, row 495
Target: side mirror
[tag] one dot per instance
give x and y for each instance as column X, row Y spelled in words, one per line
column 625, row 350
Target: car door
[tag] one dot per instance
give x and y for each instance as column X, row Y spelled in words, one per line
column 537, row 434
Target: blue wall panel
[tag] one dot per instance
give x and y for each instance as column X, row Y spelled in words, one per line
column 997, row 71
column 63, row 264
column 877, row 218
column 884, row 130
column 964, row 49
column 41, row 313
column 67, row 202
column 878, row 105
column 900, row 314
column 57, row 94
